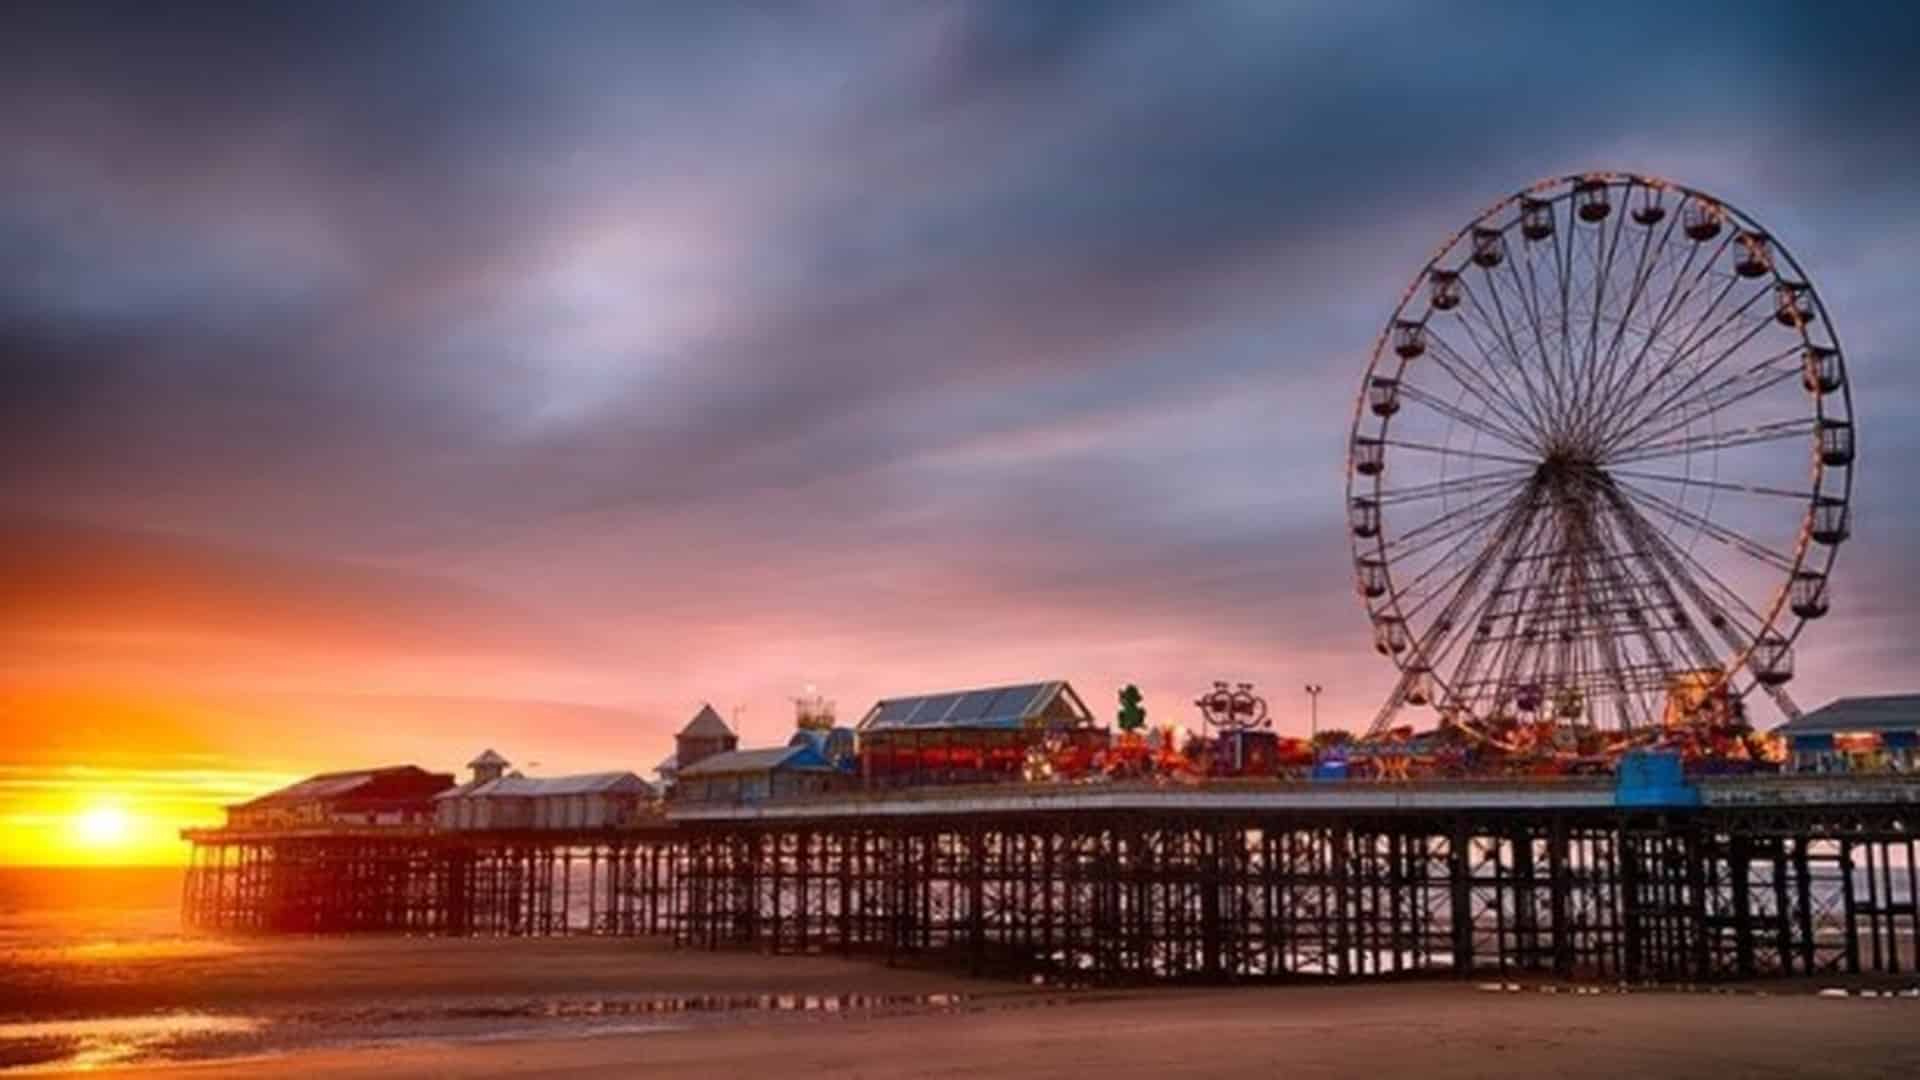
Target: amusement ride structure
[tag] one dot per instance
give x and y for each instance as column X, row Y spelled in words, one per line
column 1599, row 469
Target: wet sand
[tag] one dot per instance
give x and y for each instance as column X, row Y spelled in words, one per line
column 1438, row 1031
column 183, row 999
column 398, row 1007
column 246, row 973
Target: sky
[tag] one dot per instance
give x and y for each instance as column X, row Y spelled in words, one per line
column 381, row 382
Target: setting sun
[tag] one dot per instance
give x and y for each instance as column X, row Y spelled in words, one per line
column 101, row 826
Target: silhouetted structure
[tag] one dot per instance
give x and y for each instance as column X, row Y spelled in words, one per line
column 398, row 795
column 704, row 736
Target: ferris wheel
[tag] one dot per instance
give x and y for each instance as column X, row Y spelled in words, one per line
column 1600, row 464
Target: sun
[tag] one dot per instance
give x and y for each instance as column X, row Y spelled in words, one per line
column 101, row 826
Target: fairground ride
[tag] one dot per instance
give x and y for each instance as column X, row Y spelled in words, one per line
column 1599, row 468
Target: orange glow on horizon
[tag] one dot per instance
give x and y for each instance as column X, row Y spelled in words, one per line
column 92, row 816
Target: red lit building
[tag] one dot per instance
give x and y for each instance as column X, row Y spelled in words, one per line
column 970, row 736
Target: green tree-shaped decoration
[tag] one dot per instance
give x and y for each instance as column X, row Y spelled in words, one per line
column 1133, row 715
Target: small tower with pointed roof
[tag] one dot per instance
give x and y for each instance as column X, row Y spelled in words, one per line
column 704, row 736
column 488, row 766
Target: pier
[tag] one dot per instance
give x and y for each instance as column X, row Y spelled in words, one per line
column 1259, row 880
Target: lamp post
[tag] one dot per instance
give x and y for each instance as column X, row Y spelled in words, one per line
column 1313, row 714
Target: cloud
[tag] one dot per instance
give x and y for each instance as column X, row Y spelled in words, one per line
column 628, row 357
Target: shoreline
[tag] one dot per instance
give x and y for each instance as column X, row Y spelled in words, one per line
column 1441, row 1030
column 394, row 1005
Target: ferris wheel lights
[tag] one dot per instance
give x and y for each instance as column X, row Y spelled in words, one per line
column 1793, row 304
column 1536, row 219
column 1702, row 219
column 1409, row 339
column 1823, row 374
column 1836, row 442
column 1754, row 258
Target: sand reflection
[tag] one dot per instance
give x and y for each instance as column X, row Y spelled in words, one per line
column 47, row 1045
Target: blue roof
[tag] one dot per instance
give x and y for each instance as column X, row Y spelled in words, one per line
column 997, row 707
column 766, row 759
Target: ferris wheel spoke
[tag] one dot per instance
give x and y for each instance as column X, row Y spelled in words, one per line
column 1689, row 572
column 1457, row 486
column 1603, row 273
column 1448, row 587
column 1500, row 404
column 1644, row 272
column 1715, row 485
column 1708, row 526
column 1504, row 516
column 1464, row 614
column 1728, row 604
column 1678, row 298
column 1767, row 374
column 1444, row 527
column 1526, row 410
column 1632, row 412
column 1413, row 550
column 1633, row 599
column 1634, row 416
column 1527, row 289
column 1563, row 280
column 1549, row 370
column 1537, row 408
column 1670, row 638
column 1752, row 434
column 1461, row 416
column 1471, row 455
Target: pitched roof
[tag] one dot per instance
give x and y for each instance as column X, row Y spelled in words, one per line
column 545, row 786
column 393, row 783
column 989, row 707
column 734, row 762
column 1889, row 712
column 707, row 723
column 488, row 757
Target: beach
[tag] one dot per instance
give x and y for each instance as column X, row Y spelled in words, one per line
column 113, row 985
column 1438, row 1031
